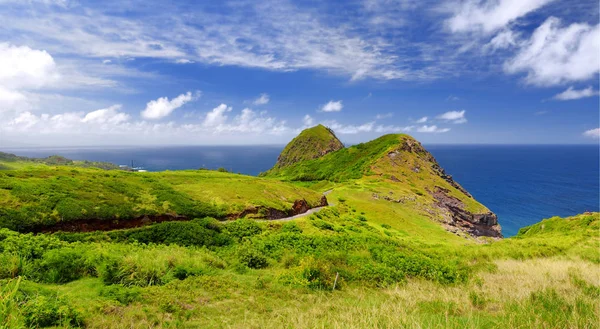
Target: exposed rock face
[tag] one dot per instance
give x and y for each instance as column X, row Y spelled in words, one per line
column 409, row 160
column 312, row 143
column 485, row 224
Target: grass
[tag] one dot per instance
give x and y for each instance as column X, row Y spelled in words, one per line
column 39, row 195
column 391, row 264
column 280, row 274
column 309, row 144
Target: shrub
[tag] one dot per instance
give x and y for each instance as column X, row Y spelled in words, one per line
column 45, row 311
column 242, row 228
column 291, row 227
column 62, row 266
column 251, row 257
column 379, row 275
column 322, row 225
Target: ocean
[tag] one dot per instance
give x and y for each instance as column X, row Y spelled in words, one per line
column 522, row 184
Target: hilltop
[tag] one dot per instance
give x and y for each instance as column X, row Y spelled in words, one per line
column 311, row 143
column 404, row 173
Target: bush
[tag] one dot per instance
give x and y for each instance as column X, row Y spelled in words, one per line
column 242, row 228
column 62, row 266
column 249, row 256
column 45, row 311
column 193, row 233
column 291, row 227
column 379, row 275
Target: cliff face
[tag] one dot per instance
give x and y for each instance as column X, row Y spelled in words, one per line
column 312, row 143
column 449, row 203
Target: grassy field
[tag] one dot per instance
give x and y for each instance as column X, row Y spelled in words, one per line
column 280, row 274
column 378, row 257
column 38, row 195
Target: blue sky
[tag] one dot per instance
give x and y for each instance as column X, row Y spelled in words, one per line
column 257, row 72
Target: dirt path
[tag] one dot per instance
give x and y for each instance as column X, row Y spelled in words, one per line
column 310, row 211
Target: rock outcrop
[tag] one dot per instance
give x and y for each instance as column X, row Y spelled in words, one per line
column 457, row 217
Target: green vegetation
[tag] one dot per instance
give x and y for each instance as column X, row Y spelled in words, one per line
column 281, row 274
column 310, row 144
column 392, row 266
column 39, row 196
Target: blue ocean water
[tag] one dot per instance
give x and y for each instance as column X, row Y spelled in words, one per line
column 522, row 184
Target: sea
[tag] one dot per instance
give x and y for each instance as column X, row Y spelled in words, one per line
column 522, row 184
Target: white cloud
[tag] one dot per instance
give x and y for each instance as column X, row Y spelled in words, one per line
column 25, row 68
column 488, row 16
column 113, row 126
column 422, row 120
column 593, row 133
column 349, row 129
column 555, row 55
column 162, row 107
column 453, row 116
column 217, row 116
column 392, row 129
column 25, row 120
column 384, row 116
column 502, row 40
column 332, row 106
column 308, row 121
column 279, row 36
column 262, row 99
column 432, row 129
column 452, row 98
column 571, row 94
column 106, row 61
column 107, row 115
column 183, row 61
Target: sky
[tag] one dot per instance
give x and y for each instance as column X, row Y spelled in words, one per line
column 94, row 73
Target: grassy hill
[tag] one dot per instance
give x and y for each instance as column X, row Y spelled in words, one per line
column 388, row 252
column 309, row 144
column 37, row 196
column 396, row 168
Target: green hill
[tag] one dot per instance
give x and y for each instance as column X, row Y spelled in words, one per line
column 42, row 197
column 404, row 172
column 311, row 143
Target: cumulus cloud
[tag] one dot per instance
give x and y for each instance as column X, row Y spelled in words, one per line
column 114, row 125
column 21, row 69
column 431, row 129
column 217, row 116
column 592, row 133
column 262, row 99
column 308, row 121
column 107, row 115
column 556, row 55
column 183, row 61
column 422, row 120
column 162, row 107
column 332, row 106
column 349, row 129
column 489, row 15
column 453, row 116
column 571, row 94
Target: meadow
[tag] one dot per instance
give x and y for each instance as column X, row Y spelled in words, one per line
column 376, row 257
